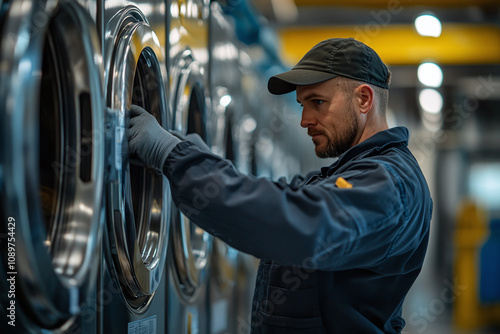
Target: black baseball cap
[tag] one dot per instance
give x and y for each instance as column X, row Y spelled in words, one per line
column 330, row 58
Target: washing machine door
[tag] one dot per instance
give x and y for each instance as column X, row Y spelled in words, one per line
column 225, row 142
column 138, row 210
column 191, row 245
column 51, row 161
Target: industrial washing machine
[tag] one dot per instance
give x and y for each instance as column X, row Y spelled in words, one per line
column 190, row 246
column 232, row 134
column 132, row 284
column 51, row 166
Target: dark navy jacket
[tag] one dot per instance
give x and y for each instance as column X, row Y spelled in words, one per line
column 343, row 245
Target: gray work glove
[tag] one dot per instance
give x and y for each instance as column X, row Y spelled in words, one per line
column 148, row 142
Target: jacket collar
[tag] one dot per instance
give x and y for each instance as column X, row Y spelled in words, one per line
column 381, row 140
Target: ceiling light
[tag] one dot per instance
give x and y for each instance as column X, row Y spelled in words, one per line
column 428, row 25
column 249, row 124
column 431, row 101
column 430, row 74
column 225, row 100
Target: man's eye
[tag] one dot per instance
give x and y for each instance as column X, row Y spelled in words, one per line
column 318, row 102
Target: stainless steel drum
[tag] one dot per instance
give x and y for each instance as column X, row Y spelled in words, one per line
column 52, row 154
column 191, row 245
column 138, row 198
column 189, row 258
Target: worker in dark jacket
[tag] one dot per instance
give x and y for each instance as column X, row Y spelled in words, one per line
column 341, row 247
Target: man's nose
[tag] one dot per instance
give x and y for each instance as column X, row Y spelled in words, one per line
column 307, row 118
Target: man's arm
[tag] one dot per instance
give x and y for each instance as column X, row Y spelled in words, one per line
column 321, row 225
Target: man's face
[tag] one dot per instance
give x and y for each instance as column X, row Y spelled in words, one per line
column 329, row 116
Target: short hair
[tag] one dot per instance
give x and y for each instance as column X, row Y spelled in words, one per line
column 348, row 85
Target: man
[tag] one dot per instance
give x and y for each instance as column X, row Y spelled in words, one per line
column 341, row 247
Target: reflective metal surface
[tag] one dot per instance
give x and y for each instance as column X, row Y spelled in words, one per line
column 190, row 251
column 191, row 245
column 188, row 28
column 63, row 150
column 232, row 133
column 132, row 280
column 74, row 151
column 191, row 109
column 223, row 305
column 138, row 199
column 51, row 157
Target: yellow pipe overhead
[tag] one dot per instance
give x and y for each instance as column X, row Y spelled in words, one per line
column 459, row 44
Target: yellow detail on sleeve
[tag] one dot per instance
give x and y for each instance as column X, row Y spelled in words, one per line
column 342, row 183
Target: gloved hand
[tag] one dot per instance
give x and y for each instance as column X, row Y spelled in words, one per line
column 148, row 141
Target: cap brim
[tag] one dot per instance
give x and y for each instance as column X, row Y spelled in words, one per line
column 288, row 81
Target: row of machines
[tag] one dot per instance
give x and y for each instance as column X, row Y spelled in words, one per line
column 90, row 243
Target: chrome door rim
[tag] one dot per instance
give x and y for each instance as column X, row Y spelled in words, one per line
column 55, row 280
column 191, row 246
column 137, row 255
column 224, row 257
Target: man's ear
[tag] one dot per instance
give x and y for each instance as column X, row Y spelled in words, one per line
column 364, row 95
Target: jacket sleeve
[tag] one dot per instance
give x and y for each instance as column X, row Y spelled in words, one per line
column 319, row 226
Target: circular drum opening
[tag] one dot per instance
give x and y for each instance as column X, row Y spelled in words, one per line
column 191, row 244
column 52, row 160
column 138, row 197
column 143, row 234
column 197, row 238
column 225, row 258
column 66, row 156
column 146, row 185
column 50, row 141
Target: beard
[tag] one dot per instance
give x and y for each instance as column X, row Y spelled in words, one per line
column 342, row 141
